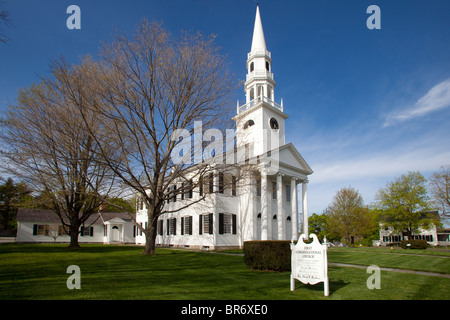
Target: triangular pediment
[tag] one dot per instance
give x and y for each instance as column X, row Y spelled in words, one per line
column 115, row 220
column 290, row 156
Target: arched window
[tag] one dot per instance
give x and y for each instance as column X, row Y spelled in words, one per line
column 252, row 93
column 260, row 90
column 249, row 123
column 267, row 66
column 252, row 67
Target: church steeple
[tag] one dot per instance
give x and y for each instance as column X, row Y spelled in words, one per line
column 258, row 41
column 260, row 121
column 259, row 82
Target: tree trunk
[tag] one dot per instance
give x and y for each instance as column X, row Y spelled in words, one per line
column 74, row 238
column 150, row 239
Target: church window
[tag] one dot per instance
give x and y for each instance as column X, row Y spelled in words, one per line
column 172, row 226
column 252, row 94
column 160, row 227
column 227, row 223
column 260, row 91
column 200, row 186
column 288, row 193
column 186, row 225
column 205, row 225
column 187, row 190
column 274, row 190
column 258, row 187
column 174, row 193
column 211, row 183
column 267, row 66
column 233, row 185
column 249, row 123
column 252, row 67
column 221, row 182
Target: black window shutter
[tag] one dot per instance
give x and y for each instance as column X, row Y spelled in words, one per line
column 91, row 231
column 174, row 226
column 82, row 231
column 234, row 224
column 200, row 224
column 182, row 225
column 220, row 223
column 134, row 231
column 168, row 226
column 35, row 228
column 210, row 223
column 190, row 225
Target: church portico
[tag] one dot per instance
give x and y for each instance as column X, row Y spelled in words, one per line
column 277, row 207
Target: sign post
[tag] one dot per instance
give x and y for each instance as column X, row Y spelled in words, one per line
column 309, row 263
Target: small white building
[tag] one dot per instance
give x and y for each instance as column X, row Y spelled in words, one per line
column 263, row 207
column 39, row 225
column 389, row 235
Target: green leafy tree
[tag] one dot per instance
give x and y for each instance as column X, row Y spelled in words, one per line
column 348, row 217
column 402, row 204
column 12, row 194
column 316, row 225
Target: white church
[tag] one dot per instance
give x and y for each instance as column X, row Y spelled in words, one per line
column 264, row 206
column 263, row 209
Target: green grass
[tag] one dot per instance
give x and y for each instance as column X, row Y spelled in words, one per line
column 418, row 260
column 38, row 271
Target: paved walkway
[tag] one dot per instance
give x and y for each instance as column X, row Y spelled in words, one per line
column 424, row 273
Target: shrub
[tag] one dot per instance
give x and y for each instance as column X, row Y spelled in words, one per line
column 274, row 255
column 414, row 244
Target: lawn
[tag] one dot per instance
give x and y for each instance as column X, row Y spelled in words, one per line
column 38, row 271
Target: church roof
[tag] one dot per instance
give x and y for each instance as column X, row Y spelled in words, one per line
column 49, row 216
column 258, row 41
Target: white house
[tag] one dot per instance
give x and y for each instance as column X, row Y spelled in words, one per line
column 263, row 207
column 39, row 225
column 389, row 235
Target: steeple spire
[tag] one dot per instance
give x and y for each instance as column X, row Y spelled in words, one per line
column 258, row 41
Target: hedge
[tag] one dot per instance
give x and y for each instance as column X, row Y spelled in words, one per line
column 274, row 255
column 414, row 244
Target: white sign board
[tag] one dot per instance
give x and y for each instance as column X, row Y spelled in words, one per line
column 309, row 262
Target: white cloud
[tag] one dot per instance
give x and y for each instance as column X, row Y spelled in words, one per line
column 384, row 165
column 437, row 98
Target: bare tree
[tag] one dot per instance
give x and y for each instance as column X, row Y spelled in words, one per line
column 4, row 19
column 155, row 87
column 440, row 190
column 50, row 147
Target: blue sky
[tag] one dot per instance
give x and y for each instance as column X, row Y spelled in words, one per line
column 364, row 106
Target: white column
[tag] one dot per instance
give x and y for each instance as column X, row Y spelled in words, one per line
column 280, row 215
column 305, row 207
column 294, row 214
column 264, row 207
